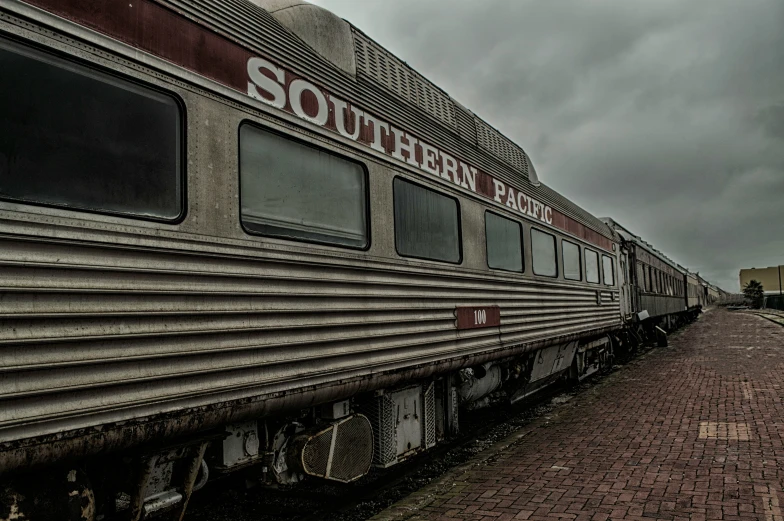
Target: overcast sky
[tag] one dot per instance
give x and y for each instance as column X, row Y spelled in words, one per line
column 666, row 115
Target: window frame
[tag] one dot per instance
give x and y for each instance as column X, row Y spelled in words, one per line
column 459, row 222
column 320, row 148
column 579, row 260
column 555, row 251
column 598, row 265
column 72, row 62
column 487, row 244
column 612, row 270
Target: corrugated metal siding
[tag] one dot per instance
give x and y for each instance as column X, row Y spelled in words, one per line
column 465, row 124
column 103, row 320
column 86, row 329
column 658, row 305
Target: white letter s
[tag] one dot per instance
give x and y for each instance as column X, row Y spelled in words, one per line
column 259, row 80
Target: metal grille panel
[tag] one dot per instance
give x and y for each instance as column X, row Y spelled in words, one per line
column 381, row 413
column 341, row 452
column 429, row 434
column 501, row 147
column 386, row 69
column 315, row 455
column 353, row 451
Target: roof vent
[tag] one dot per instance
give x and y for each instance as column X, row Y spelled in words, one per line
column 326, row 33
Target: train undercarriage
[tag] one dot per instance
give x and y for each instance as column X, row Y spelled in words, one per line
column 338, row 441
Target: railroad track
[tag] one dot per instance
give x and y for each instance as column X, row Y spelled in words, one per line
column 777, row 317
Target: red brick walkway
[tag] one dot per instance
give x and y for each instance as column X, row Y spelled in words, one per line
column 693, row 431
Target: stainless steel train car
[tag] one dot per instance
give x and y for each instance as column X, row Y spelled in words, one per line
column 227, row 242
column 241, row 232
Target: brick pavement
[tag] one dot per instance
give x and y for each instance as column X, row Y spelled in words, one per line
column 688, row 432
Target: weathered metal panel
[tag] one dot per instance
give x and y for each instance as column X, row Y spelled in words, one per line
column 386, row 69
column 101, row 334
column 114, row 331
column 659, row 305
column 239, row 28
column 466, row 125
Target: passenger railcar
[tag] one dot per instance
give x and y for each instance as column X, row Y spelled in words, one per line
column 695, row 293
column 226, row 241
column 662, row 292
column 242, row 233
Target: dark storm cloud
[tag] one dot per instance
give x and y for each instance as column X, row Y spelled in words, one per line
column 666, row 115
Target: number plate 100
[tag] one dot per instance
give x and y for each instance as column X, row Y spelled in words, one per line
column 476, row 317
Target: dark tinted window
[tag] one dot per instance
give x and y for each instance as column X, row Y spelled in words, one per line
column 592, row 266
column 571, row 260
column 504, row 243
column 543, row 253
column 74, row 137
column 608, row 270
column 293, row 190
column 427, row 224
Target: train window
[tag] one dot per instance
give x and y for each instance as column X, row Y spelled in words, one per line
column 77, row 138
column 427, row 223
column 504, row 243
column 608, row 270
column 591, row 266
column 543, row 253
column 571, row 260
column 296, row 191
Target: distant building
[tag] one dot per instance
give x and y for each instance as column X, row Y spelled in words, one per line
column 770, row 278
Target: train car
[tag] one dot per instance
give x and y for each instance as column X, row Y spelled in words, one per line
column 238, row 233
column 714, row 294
column 695, row 294
column 658, row 285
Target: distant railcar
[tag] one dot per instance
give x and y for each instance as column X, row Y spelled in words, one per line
column 227, row 241
column 663, row 293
